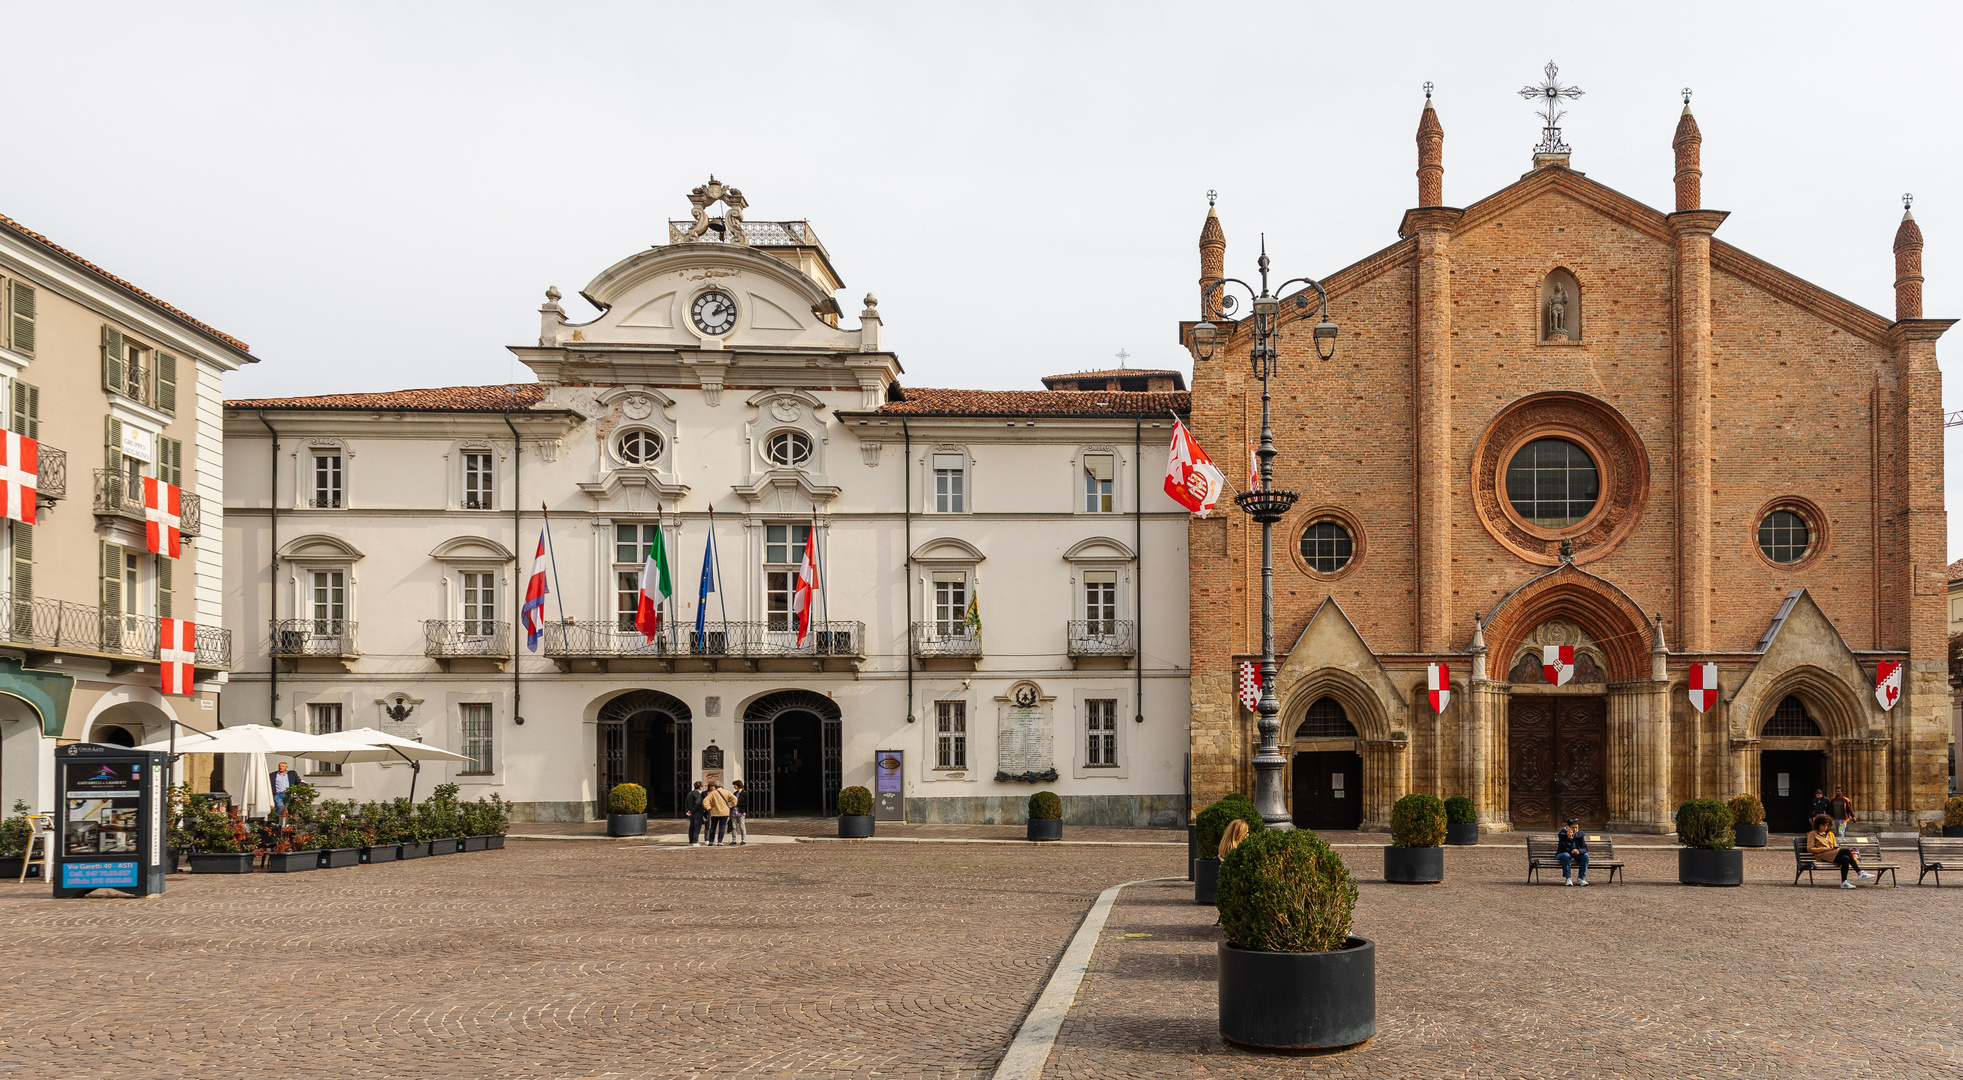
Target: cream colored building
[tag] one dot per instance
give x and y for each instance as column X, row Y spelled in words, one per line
column 116, row 385
column 988, row 560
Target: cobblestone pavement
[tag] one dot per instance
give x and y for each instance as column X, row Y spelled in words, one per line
column 1484, row 976
column 829, row 827
column 552, row 959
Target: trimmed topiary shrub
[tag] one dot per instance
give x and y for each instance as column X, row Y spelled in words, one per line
column 855, row 801
column 1285, row 892
column 627, row 799
column 1460, row 811
column 1213, row 821
column 1746, row 809
column 15, row 831
column 1417, row 820
column 1045, row 806
column 1953, row 812
column 1705, row 824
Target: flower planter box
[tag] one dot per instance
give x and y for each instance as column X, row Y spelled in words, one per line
column 476, row 843
column 292, row 862
column 447, row 846
column 1698, row 866
column 1749, row 835
column 335, row 858
column 1414, row 865
column 414, row 851
column 1206, row 880
column 1046, row 828
column 627, row 824
column 495, row 842
column 10, row 868
column 381, row 853
column 221, row 862
column 1953, row 830
column 1462, row 835
column 1299, row 1001
column 855, row 826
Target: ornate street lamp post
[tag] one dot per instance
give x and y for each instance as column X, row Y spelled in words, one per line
column 1267, row 505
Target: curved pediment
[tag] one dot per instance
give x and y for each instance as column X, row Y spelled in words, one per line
column 471, row 547
column 1098, row 549
column 319, row 546
column 645, row 299
column 948, row 549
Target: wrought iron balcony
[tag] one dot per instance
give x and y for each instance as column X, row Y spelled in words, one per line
column 51, row 480
column 1101, row 637
column 57, row 625
column 452, row 639
column 117, row 494
column 300, row 638
column 958, row 640
column 596, row 640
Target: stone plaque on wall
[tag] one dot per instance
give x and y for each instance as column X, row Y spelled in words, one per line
column 1025, row 736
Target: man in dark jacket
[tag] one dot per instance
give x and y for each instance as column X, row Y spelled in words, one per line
column 1819, row 804
column 695, row 815
column 1573, row 853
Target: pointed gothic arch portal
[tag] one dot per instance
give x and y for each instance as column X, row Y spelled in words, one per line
column 791, row 744
column 646, row 738
column 1328, row 776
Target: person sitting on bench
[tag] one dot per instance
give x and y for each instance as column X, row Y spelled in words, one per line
column 1824, row 847
column 1573, row 853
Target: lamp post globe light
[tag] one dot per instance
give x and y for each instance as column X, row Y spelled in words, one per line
column 1266, row 504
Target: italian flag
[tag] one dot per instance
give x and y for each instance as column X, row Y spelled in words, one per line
column 656, row 588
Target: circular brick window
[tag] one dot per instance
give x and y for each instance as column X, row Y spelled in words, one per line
column 1559, row 468
column 1790, row 532
column 1329, row 542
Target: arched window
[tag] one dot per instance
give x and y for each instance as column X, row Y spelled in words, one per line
column 1326, row 720
column 640, row 447
column 788, row 449
column 1789, row 721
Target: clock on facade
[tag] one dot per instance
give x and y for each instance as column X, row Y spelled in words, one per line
column 714, row 313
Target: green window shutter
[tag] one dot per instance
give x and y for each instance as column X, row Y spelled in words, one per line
column 170, row 461
column 167, row 383
column 163, row 587
column 21, row 329
column 113, row 445
column 112, row 597
column 26, row 409
column 112, row 361
column 22, row 623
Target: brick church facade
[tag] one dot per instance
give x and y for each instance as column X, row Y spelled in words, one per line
column 1561, row 417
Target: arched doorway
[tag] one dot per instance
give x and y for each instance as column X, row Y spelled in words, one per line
column 113, row 735
column 791, row 755
column 1789, row 776
column 645, row 738
column 1328, row 775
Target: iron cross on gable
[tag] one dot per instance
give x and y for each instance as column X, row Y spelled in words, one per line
column 1550, row 92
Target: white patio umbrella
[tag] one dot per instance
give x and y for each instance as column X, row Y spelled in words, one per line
column 259, row 741
column 372, row 744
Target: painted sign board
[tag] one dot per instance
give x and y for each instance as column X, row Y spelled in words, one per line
column 110, row 804
column 889, row 796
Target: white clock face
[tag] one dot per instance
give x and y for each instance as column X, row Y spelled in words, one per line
column 714, row 313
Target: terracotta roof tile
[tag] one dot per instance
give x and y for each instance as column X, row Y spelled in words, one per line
column 437, row 399
column 1956, row 570
column 1178, row 379
column 119, row 282
column 915, row 401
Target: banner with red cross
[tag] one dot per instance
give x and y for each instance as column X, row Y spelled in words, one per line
column 163, row 507
column 20, row 468
column 1888, row 683
column 177, row 653
column 1703, row 686
column 1250, row 684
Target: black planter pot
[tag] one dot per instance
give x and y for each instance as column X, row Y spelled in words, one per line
column 1414, row 865
column 447, row 846
column 476, row 843
column 494, row 841
column 1697, row 866
column 1749, row 835
column 173, row 858
column 1046, row 828
column 292, row 862
column 1299, row 1001
column 10, row 868
column 1192, row 849
column 1462, row 835
column 627, row 824
column 335, row 858
column 381, row 853
column 221, row 862
column 1206, row 880
column 413, row 851
column 1953, row 830
column 855, row 826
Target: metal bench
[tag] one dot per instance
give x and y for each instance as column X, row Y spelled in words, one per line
column 1867, row 850
column 1937, row 854
column 1543, row 853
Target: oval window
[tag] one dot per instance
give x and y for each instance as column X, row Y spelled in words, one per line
column 788, row 449
column 1327, row 547
column 1783, row 537
column 640, row 448
column 1552, row 483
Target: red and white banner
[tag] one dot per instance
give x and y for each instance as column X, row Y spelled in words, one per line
column 1253, row 467
column 1438, row 686
column 177, row 653
column 1888, row 683
column 1703, row 686
column 804, row 596
column 20, row 468
column 1250, row 684
column 1191, row 479
column 1557, row 663
column 163, row 507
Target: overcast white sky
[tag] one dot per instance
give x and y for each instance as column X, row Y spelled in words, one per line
column 375, row 196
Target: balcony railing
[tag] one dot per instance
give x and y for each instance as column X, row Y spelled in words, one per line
column 313, row 637
column 448, row 639
column 51, row 479
column 117, row 494
column 745, row 640
column 44, row 623
column 958, row 639
column 1101, row 637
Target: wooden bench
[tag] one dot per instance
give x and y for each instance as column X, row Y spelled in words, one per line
column 1868, row 851
column 1543, row 853
column 1937, row 854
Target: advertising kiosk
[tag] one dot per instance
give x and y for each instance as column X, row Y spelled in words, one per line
column 109, row 809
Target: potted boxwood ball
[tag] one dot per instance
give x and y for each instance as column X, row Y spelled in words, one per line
column 1707, row 856
column 1417, row 828
column 1747, row 820
column 855, row 813
column 1292, row 977
column 627, row 810
column 1208, row 828
column 1953, row 816
column 1461, row 821
column 1045, row 816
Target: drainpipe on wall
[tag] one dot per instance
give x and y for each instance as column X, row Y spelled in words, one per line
column 1138, row 561
column 272, row 501
column 517, row 553
column 906, row 624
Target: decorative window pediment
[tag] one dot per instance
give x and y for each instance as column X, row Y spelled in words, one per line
column 319, row 548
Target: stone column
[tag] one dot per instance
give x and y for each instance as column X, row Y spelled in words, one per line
column 1433, row 422
column 1386, row 779
column 1693, row 230
column 1639, row 757
column 1745, row 771
column 1485, row 763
